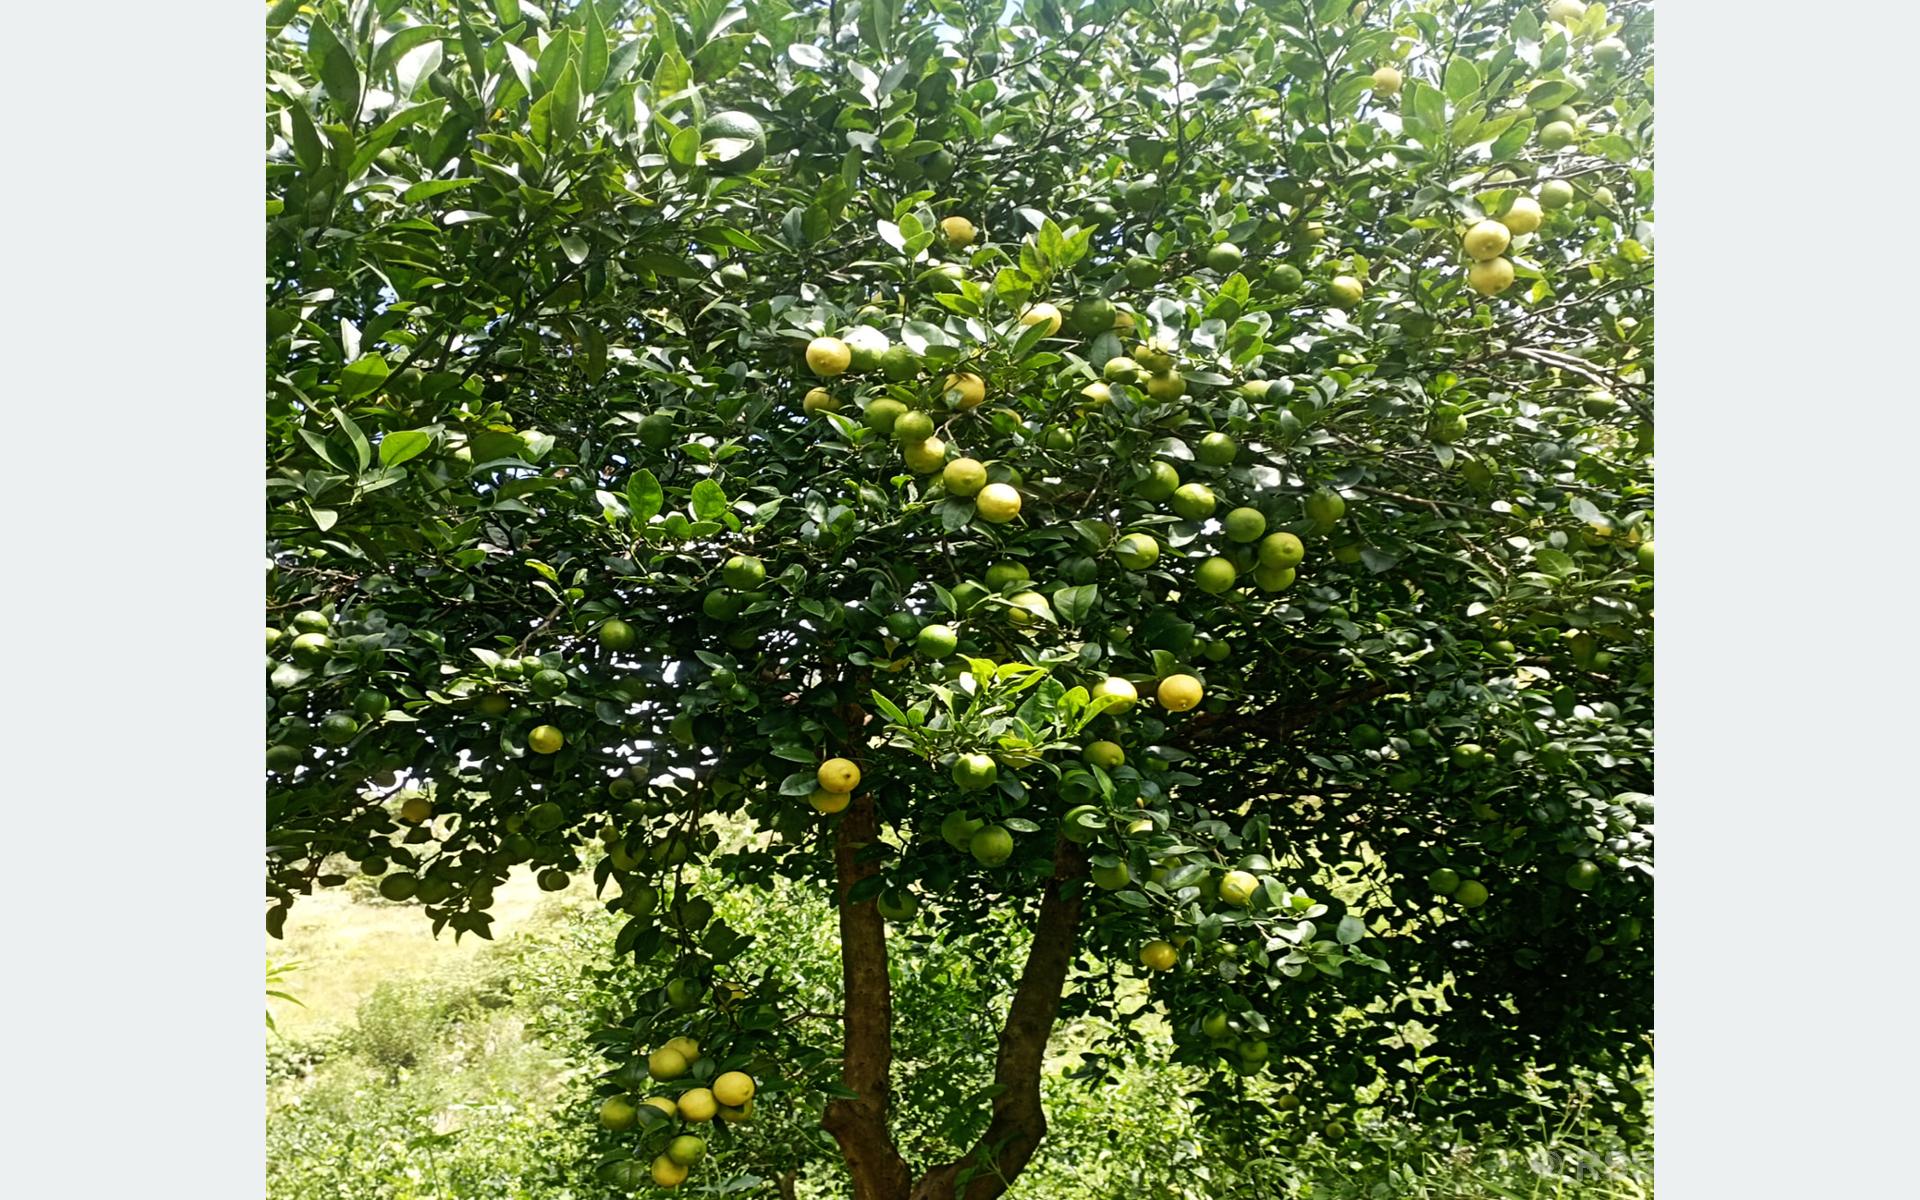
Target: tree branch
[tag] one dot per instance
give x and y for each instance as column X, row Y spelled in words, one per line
column 859, row 1125
column 1019, row 1120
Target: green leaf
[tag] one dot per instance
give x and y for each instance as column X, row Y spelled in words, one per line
column 363, row 375
column 308, row 150
column 671, row 77
column 593, row 49
column 362, row 449
column 1462, row 80
column 566, row 104
column 645, row 499
column 1350, row 930
column 1072, row 604
column 333, row 62
column 709, row 501
column 403, row 444
column 426, row 189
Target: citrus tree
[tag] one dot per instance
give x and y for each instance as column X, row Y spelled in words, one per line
column 1170, row 475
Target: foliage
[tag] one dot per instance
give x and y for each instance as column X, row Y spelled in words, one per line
column 277, row 973
column 558, row 554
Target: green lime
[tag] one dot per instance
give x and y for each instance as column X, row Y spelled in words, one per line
column 1245, row 524
column 548, row 683
column 616, row 634
column 974, row 772
column 1444, row 881
column 1194, row 501
column 936, row 641
column 1161, row 482
column 1137, row 551
column 732, row 142
column 743, row 572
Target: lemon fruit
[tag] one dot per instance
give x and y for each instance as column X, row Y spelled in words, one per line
column 1224, row 257
column 1126, row 696
column 1194, row 501
column 925, row 457
column 966, row 389
column 1244, row 524
column 697, row 1104
column 1103, row 754
column 964, row 476
column 666, row 1063
column 838, row 775
column 991, row 845
column 1043, row 314
column 1386, row 81
column 958, row 231
column 829, row 356
column 1237, row 888
column 1490, row 277
column 1158, row 955
column 1273, row 579
column 1556, row 135
column 1137, row 551
column 829, row 803
column 733, row 1088
column 1215, row 575
column 1523, row 215
column 732, row 142
column 974, row 772
column 1556, row 193
column 1486, row 239
column 1345, row 291
column 1161, row 482
column 997, row 503
column 1179, row 693
column 545, row 739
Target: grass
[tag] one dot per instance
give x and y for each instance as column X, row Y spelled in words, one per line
column 416, row 1068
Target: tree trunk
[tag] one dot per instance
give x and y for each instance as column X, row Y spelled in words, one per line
column 1019, row 1120
column 859, row 1125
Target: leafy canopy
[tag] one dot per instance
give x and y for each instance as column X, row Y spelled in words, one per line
column 585, row 551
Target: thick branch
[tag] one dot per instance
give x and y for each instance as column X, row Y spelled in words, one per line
column 1019, row 1121
column 859, row 1125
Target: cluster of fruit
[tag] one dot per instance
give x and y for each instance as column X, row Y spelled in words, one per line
column 728, row 1096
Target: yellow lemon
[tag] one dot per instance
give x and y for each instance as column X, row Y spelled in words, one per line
column 829, row 356
column 958, row 231
column 1158, row 955
column 998, row 503
column 1386, row 81
column 838, row 775
column 1491, row 277
column 964, row 476
column 1119, row 688
column 668, row 1173
column 1178, row 693
column 829, row 802
column 1486, row 239
column 733, row 1088
column 698, row 1105
column 1042, row 314
column 1524, row 216
column 967, row 389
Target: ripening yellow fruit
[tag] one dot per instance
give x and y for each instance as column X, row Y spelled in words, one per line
column 967, row 389
column 664, row 1064
column 686, row 1047
column 924, row 458
column 838, row 775
column 1158, row 955
column 958, row 231
column 829, row 356
column 1487, row 239
column 664, row 1103
column 964, row 476
column 829, row 802
column 819, row 400
column 1491, row 277
column 1386, row 81
column 1124, row 693
column 733, row 1088
column 1042, row 314
column 998, row 503
column 1178, row 693
column 698, row 1105
column 415, row 810
column 668, row 1173
column 1344, row 290
column 1524, row 216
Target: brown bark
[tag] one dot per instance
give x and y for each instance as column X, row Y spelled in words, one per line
column 1019, row 1120
column 859, row 1125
